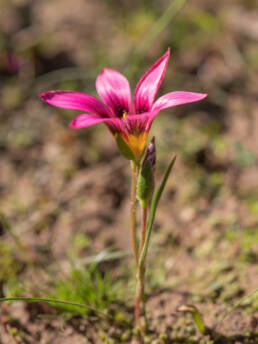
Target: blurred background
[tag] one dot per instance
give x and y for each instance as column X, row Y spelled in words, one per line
column 64, row 193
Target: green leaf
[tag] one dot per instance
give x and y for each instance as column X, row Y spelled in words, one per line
column 197, row 317
column 124, row 148
column 40, row 299
column 154, row 205
column 145, row 185
column 199, row 321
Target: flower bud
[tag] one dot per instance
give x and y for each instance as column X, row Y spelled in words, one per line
column 145, row 186
column 151, row 154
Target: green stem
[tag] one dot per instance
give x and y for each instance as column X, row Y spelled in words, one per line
column 139, row 298
column 140, row 295
column 135, row 172
column 144, row 227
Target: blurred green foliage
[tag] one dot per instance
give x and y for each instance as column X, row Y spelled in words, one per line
column 86, row 286
column 9, row 265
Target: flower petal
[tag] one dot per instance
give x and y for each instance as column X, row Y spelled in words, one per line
column 87, row 120
column 144, row 115
column 139, row 123
column 118, row 125
column 177, row 98
column 149, row 84
column 115, row 91
column 75, row 100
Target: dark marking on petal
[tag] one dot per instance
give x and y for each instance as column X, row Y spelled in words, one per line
column 51, row 94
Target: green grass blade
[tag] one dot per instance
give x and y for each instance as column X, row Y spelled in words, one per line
column 198, row 319
column 16, row 239
column 197, row 316
column 40, row 299
column 239, row 303
column 154, row 205
column 146, row 42
column 105, row 256
column 8, row 228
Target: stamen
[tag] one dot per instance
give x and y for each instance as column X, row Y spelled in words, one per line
column 120, row 110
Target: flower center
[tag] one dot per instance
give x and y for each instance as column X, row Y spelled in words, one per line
column 137, row 143
column 120, row 111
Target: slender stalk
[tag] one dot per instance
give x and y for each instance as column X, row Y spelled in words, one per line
column 139, row 298
column 144, row 227
column 140, row 295
column 135, row 172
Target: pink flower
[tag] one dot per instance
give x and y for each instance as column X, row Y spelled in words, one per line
column 131, row 122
